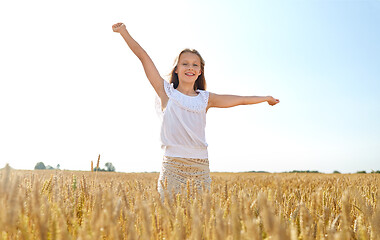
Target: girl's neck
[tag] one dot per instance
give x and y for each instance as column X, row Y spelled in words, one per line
column 187, row 89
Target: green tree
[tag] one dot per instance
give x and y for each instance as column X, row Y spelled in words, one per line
column 40, row 166
column 110, row 167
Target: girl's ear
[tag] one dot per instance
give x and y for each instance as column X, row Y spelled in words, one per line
column 175, row 69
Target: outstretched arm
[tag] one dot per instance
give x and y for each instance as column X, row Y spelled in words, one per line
column 150, row 69
column 226, row 101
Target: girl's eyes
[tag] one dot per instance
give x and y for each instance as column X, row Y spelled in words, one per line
column 185, row 64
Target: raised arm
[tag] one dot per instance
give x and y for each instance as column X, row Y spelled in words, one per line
column 150, row 69
column 226, row 101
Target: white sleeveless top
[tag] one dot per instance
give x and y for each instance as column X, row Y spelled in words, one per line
column 183, row 124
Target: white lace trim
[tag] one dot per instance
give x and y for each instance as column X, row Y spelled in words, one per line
column 196, row 104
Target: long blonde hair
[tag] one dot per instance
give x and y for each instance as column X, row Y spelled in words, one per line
column 200, row 83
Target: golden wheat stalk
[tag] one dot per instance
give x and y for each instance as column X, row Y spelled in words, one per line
column 97, row 164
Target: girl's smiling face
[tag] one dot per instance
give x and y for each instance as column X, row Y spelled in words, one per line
column 188, row 67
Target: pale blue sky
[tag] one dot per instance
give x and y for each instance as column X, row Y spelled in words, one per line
column 71, row 89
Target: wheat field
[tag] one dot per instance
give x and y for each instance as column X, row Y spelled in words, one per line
column 50, row 204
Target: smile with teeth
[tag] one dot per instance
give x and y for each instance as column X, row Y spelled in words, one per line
column 189, row 74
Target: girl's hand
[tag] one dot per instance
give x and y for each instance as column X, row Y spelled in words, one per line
column 118, row 27
column 272, row 101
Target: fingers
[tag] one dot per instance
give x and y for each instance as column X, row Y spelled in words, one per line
column 116, row 26
column 272, row 103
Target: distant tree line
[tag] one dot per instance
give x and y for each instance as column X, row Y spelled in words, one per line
column 378, row 171
column 41, row 166
column 303, row 171
column 109, row 167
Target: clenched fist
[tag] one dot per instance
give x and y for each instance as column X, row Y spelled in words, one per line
column 272, row 101
column 118, row 27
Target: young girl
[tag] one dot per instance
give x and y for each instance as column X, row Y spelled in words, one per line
column 184, row 103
